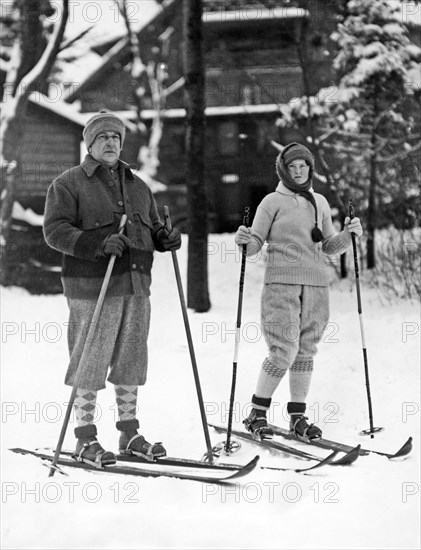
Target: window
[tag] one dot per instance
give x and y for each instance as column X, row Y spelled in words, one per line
column 228, row 138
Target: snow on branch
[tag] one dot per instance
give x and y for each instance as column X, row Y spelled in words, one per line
column 43, row 67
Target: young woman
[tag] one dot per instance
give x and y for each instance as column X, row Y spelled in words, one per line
column 297, row 225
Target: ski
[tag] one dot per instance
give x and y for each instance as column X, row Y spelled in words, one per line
column 134, row 459
column 169, row 461
column 348, row 458
column 148, row 472
column 184, row 462
column 335, row 445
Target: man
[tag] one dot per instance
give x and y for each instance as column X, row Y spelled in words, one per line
column 83, row 210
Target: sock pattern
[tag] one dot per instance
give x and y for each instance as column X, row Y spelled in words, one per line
column 84, row 405
column 126, row 399
column 269, row 379
column 273, row 370
column 302, row 365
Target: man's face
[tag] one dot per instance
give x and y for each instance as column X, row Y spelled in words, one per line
column 299, row 170
column 106, row 148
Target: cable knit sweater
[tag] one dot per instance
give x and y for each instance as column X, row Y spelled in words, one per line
column 284, row 220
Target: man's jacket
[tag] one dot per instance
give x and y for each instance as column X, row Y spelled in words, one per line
column 84, row 205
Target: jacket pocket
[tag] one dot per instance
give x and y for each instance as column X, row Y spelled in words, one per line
column 97, row 220
column 144, row 230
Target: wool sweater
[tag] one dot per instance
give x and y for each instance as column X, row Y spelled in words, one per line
column 284, row 220
column 84, row 205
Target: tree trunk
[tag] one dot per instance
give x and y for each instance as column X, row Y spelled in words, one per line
column 197, row 271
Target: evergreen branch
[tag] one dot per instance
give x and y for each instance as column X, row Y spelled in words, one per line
column 401, row 155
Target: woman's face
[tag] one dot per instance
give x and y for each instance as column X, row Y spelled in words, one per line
column 299, row 170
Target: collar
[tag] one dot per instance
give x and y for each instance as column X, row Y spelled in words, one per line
column 90, row 165
column 285, row 191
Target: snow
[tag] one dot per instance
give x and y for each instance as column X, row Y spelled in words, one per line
column 371, row 504
column 105, row 20
column 26, row 215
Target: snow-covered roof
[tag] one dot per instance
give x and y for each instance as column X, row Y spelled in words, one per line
column 57, row 107
column 148, row 114
column 96, row 71
column 106, row 20
column 250, row 14
column 141, row 14
column 69, row 112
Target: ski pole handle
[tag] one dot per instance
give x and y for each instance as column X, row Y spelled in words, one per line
column 354, row 247
column 122, row 223
column 350, row 209
column 167, row 219
column 246, row 217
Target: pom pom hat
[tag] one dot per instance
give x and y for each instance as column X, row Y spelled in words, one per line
column 104, row 121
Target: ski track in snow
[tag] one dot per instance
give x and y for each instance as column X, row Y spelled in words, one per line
column 372, row 504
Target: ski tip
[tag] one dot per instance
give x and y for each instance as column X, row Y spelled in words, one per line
column 404, row 450
column 253, row 462
column 326, row 461
column 349, row 458
column 18, row 450
column 246, row 469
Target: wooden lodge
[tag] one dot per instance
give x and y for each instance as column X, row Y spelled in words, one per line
column 252, row 67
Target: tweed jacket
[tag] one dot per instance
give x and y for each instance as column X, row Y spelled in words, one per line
column 84, row 205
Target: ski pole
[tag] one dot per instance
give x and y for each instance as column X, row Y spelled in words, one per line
column 209, row 455
column 372, row 430
column 232, row 447
column 91, row 331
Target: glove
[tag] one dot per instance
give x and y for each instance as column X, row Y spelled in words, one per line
column 243, row 235
column 169, row 240
column 353, row 226
column 115, row 244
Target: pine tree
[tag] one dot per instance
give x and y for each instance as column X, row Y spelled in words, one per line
column 365, row 123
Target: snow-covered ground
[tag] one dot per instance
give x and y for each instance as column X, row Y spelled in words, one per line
column 372, row 504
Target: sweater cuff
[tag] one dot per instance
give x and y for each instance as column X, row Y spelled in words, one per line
column 254, row 245
column 337, row 244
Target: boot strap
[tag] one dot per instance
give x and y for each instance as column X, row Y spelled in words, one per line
column 301, row 417
column 98, row 460
column 149, row 452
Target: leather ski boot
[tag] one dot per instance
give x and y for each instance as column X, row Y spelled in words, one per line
column 132, row 443
column 89, row 450
column 298, row 424
column 256, row 423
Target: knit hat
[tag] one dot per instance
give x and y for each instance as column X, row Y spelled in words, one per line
column 292, row 152
column 104, row 121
